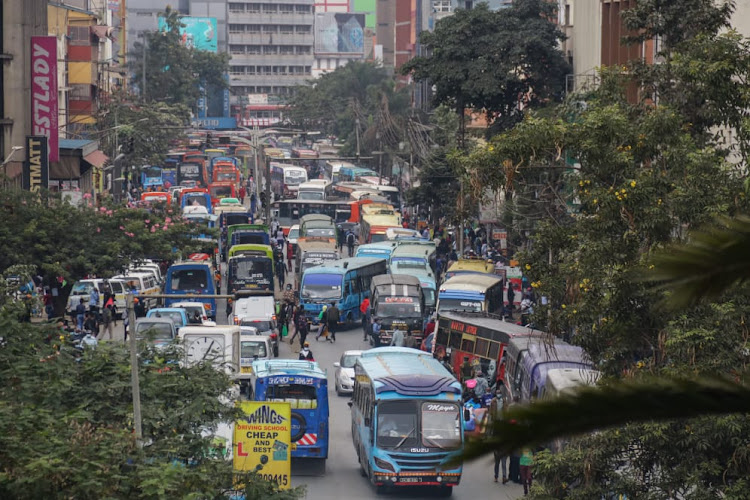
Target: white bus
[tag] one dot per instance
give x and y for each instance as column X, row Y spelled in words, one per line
column 315, row 189
column 332, row 168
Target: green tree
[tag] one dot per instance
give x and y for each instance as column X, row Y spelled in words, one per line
column 174, row 72
column 493, row 62
column 66, row 422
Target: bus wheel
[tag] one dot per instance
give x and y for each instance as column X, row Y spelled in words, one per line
column 445, row 491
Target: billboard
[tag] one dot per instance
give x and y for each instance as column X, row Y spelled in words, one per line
column 36, row 168
column 263, row 442
column 339, row 33
column 44, row 91
column 197, row 33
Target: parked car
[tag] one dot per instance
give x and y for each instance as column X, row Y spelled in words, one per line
column 344, row 376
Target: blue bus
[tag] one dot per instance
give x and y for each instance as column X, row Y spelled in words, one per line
column 382, row 250
column 196, row 198
column 151, row 177
column 304, row 386
column 471, row 292
column 193, row 278
column 345, row 282
column 407, row 419
column 169, row 172
column 426, row 278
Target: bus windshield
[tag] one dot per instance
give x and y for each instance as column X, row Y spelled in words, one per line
column 253, row 269
column 231, row 219
column 248, row 238
column 441, row 425
column 322, row 286
column 310, row 195
column 399, row 307
column 196, row 200
column 320, row 232
column 221, row 191
column 190, row 279
column 397, row 424
column 225, row 175
column 460, row 305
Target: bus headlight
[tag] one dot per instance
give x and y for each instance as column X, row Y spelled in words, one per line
column 384, row 465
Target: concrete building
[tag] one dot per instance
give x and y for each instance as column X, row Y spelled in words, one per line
column 20, row 20
column 271, row 46
column 143, row 15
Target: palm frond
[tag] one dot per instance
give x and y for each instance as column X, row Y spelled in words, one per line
column 619, row 403
column 715, row 258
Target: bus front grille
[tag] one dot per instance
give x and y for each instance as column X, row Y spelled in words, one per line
column 415, row 461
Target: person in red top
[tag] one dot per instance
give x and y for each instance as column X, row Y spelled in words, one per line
column 430, row 326
column 364, row 308
column 243, row 192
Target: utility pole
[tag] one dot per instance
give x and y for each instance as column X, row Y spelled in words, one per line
column 135, row 381
column 357, row 133
column 143, row 90
column 267, row 173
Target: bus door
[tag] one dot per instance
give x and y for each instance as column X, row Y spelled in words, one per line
column 308, row 398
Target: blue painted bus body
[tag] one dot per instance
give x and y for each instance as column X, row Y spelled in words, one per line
column 191, row 278
column 305, row 386
column 204, row 199
column 407, row 419
column 382, row 250
column 345, row 282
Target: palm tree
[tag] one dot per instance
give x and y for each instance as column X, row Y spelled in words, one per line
column 713, row 260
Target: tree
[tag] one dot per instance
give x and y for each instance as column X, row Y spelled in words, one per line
column 494, row 62
column 175, row 73
column 66, row 422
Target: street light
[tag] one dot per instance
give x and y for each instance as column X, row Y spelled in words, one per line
column 7, row 160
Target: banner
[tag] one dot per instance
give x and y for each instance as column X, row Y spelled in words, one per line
column 36, row 167
column 44, row 91
column 197, row 33
column 339, row 33
column 262, row 443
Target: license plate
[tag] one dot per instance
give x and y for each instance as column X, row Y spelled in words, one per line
column 246, row 369
column 410, row 480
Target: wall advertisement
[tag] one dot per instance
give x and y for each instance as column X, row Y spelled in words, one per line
column 44, row 91
column 35, row 175
column 262, row 443
column 198, row 33
column 339, row 33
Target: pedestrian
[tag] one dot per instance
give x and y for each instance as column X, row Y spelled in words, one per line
column 397, row 340
column 289, row 294
column 139, row 308
column 107, row 318
column 364, row 308
column 494, row 414
column 332, row 318
column 94, row 302
column 306, row 354
column 229, row 309
column 243, row 192
column 526, row 461
column 280, row 238
column 322, row 324
column 511, row 299
column 527, row 309
column 350, row 239
column 80, row 314
column 90, row 324
column 340, row 236
column 281, row 271
column 376, row 332
column 410, row 341
column 283, row 314
column 253, row 203
column 293, row 322
column 302, row 326
column 49, row 307
column 467, row 371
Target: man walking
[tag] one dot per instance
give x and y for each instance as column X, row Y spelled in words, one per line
column 376, row 332
column 410, row 341
column 94, row 302
column 302, row 327
column 333, row 318
column 350, row 239
column 364, row 308
column 398, row 338
column 107, row 319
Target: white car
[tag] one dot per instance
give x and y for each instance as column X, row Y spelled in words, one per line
column 196, row 311
column 344, row 376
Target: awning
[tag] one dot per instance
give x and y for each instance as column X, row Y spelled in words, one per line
column 97, row 159
column 103, row 31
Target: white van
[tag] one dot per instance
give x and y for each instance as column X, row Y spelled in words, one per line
column 258, row 312
column 144, row 284
column 148, row 266
column 82, row 290
column 252, row 348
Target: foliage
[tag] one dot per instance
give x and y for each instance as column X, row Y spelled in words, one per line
column 484, row 60
column 174, row 72
column 150, row 129
column 66, row 421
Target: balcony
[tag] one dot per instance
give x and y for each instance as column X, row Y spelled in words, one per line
column 268, row 80
column 278, row 18
column 270, row 39
column 272, row 60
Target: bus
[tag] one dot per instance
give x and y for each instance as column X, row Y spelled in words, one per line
column 193, row 277
column 293, row 177
column 219, row 190
column 190, row 172
column 470, row 266
column 315, row 225
column 250, row 234
column 418, row 255
column 407, row 420
column 304, row 386
column 305, row 154
column 382, row 250
column 377, row 209
column 313, row 252
column 398, row 301
column 472, row 292
column 289, row 212
column 373, row 227
column 481, row 338
column 426, row 278
column 353, row 174
column 151, row 177
column 226, row 171
column 331, row 169
column 250, row 270
column 195, row 197
column 345, row 282
column 315, row 189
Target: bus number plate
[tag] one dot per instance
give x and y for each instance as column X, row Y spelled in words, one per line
column 411, row 479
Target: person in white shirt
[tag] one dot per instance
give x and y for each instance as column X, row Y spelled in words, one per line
column 398, row 338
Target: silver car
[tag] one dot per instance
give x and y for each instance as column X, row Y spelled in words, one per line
column 344, row 376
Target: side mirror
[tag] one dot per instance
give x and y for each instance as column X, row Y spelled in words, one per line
column 336, row 364
column 349, row 403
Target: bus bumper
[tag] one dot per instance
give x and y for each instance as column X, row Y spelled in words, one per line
column 421, row 478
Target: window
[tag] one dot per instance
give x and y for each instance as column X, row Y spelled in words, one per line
column 252, row 28
column 236, row 28
column 80, row 92
column 252, row 8
column 250, row 71
column 269, row 8
column 236, row 70
column 302, row 9
column 397, row 424
column 303, row 49
column 441, row 425
column 441, row 5
column 79, row 35
column 286, row 50
column 303, row 29
column 286, row 9
column 270, row 28
column 189, row 279
column 286, row 29
column 253, row 49
column 270, row 49
column 237, row 49
column 308, row 70
column 237, row 8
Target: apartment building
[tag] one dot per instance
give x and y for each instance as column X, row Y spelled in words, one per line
column 271, row 45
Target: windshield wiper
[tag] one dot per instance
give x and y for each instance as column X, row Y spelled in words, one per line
column 431, row 442
column 405, row 438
